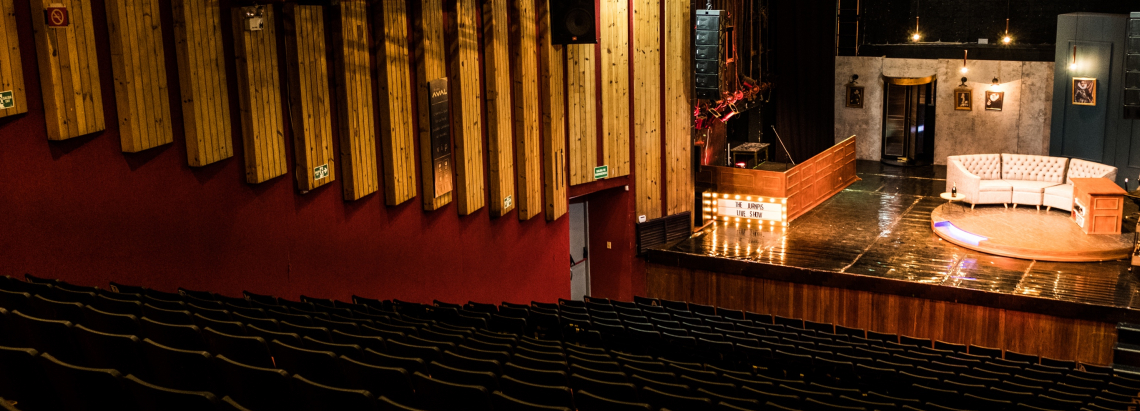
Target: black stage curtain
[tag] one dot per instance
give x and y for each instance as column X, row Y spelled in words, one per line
column 803, row 71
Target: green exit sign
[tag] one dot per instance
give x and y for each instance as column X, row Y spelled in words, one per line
column 7, row 100
column 321, row 171
column 601, row 172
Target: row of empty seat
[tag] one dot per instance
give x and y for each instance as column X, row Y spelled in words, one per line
column 136, row 348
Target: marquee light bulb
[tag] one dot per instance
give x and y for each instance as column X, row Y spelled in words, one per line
column 915, row 37
column 1006, row 39
column 964, row 70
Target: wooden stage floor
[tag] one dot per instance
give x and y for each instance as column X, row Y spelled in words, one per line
column 876, row 236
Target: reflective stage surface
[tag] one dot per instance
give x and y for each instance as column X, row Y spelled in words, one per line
column 880, row 229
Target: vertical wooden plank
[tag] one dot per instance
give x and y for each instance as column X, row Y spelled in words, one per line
column 354, row 98
column 202, row 81
column 11, row 66
column 551, row 87
column 428, row 46
column 397, row 133
column 581, row 112
column 139, row 67
column 259, row 92
column 678, row 108
column 309, row 96
column 524, row 96
column 500, row 145
column 647, row 106
column 466, row 112
column 614, row 30
column 69, row 72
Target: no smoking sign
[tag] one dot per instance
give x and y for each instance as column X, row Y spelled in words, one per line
column 56, row 16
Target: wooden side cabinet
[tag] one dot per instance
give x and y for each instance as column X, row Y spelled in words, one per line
column 1098, row 205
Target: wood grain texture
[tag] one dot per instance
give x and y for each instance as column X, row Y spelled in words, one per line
column 353, row 93
column 259, row 95
column 581, row 112
column 552, row 88
column 614, row 77
column 524, row 95
column 647, row 106
column 428, row 43
column 139, row 66
column 678, row 108
column 500, row 143
column 1061, row 338
column 69, row 71
column 11, row 65
column 466, row 109
column 397, row 131
column 309, row 99
column 202, row 80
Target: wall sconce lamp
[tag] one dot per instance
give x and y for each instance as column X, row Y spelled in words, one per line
column 965, row 54
column 995, row 83
column 963, row 82
column 854, row 79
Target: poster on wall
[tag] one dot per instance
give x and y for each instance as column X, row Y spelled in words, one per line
column 994, row 100
column 854, row 96
column 1084, row 91
column 440, row 136
column 963, row 99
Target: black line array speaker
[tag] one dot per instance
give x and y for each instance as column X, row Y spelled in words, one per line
column 706, row 59
column 573, row 22
column 1132, row 68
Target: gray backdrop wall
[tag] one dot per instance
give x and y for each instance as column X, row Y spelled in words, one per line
column 1021, row 127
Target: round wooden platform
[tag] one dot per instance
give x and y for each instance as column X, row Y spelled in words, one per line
column 1025, row 232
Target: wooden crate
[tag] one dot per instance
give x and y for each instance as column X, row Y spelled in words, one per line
column 466, row 105
column 524, row 88
column 552, row 88
column 397, row 130
column 358, row 157
column 309, row 99
column 259, row 92
column 202, row 80
column 139, row 65
column 500, row 146
column 69, row 71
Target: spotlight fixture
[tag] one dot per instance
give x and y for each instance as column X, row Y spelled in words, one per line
column 1006, row 39
column 916, row 36
column 1073, row 62
column 965, row 54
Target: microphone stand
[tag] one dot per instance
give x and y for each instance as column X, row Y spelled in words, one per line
column 785, row 148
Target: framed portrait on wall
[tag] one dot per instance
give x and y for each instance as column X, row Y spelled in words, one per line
column 854, row 96
column 963, row 99
column 1084, row 91
column 994, row 100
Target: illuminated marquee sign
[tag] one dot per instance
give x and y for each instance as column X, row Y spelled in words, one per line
column 749, row 209
column 734, row 207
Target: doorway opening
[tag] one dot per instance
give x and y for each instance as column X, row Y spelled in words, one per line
column 908, row 121
column 579, row 250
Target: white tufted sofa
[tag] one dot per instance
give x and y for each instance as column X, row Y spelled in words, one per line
column 1020, row 178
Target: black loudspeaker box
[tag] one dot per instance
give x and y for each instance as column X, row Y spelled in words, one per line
column 573, row 22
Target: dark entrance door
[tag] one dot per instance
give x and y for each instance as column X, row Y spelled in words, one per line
column 908, row 121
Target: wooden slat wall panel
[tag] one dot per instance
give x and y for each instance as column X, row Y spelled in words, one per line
column 614, row 33
column 259, row 92
column 647, row 105
column 466, row 109
column 11, row 68
column 524, row 86
column 397, row 132
column 69, row 72
column 202, row 76
column 678, row 108
column 139, row 66
column 551, row 86
column 581, row 112
column 1062, row 338
column 309, row 98
column 497, row 68
column 353, row 78
column 427, row 38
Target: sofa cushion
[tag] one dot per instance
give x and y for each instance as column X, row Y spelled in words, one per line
column 994, row 185
column 1029, row 186
column 986, row 166
column 1087, row 169
column 1063, row 190
column 1033, row 168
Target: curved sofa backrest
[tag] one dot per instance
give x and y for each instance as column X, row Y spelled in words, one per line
column 1087, row 169
column 986, row 166
column 1028, row 167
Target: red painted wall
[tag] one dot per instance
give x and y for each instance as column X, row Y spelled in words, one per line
column 83, row 211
